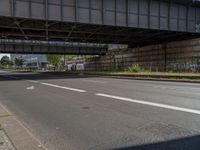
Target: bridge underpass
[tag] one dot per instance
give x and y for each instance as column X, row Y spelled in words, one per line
column 133, row 22
column 73, row 112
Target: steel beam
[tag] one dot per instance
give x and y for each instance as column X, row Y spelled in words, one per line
column 38, row 47
column 102, row 21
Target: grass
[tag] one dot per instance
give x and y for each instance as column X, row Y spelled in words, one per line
column 135, row 69
column 160, row 73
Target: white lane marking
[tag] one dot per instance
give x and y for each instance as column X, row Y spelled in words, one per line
column 30, row 88
column 63, row 87
column 32, row 81
column 193, row 111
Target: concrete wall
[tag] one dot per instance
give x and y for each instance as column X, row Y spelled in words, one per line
column 177, row 56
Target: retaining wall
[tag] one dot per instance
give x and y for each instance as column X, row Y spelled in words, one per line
column 176, row 56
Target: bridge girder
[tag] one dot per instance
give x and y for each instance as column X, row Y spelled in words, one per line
column 135, row 22
column 44, row 47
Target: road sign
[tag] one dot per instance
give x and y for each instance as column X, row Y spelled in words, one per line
column 197, row 27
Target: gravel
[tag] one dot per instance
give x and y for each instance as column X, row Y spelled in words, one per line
column 5, row 143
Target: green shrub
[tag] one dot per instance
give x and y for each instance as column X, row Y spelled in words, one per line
column 135, row 68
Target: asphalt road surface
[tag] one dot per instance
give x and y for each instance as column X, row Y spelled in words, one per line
column 70, row 112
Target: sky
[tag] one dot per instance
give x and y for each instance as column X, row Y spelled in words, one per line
column 1, row 55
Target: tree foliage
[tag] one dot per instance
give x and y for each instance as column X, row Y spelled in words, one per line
column 71, row 57
column 5, row 61
column 54, row 60
column 19, row 62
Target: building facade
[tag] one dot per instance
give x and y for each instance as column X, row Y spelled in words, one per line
column 32, row 61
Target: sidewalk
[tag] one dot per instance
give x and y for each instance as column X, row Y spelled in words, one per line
column 15, row 136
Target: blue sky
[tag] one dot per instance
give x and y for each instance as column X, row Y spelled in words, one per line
column 1, row 55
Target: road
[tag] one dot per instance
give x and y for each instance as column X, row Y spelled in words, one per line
column 71, row 112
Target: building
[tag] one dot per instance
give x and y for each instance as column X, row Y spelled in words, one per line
column 32, row 61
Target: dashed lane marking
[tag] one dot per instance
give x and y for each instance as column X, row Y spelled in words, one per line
column 63, row 87
column 33, row 81
column 193, row 111
column 52, row 85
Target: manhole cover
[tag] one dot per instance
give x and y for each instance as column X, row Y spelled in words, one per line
column 5, row 143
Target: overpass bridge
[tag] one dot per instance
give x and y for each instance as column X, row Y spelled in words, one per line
column 46, row 47
column 133, row 22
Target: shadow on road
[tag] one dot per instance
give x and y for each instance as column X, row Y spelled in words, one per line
column 188, row 143
column 41, row 76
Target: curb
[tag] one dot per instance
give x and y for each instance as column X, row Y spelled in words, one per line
column 19, row 136
column 164, row 78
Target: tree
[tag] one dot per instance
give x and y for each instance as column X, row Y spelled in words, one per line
column 54, row 60
column 5, row 61
column 11, row 63
column 71, row 57
column 19, row 62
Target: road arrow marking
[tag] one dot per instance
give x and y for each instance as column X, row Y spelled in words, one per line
column 30, row 88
